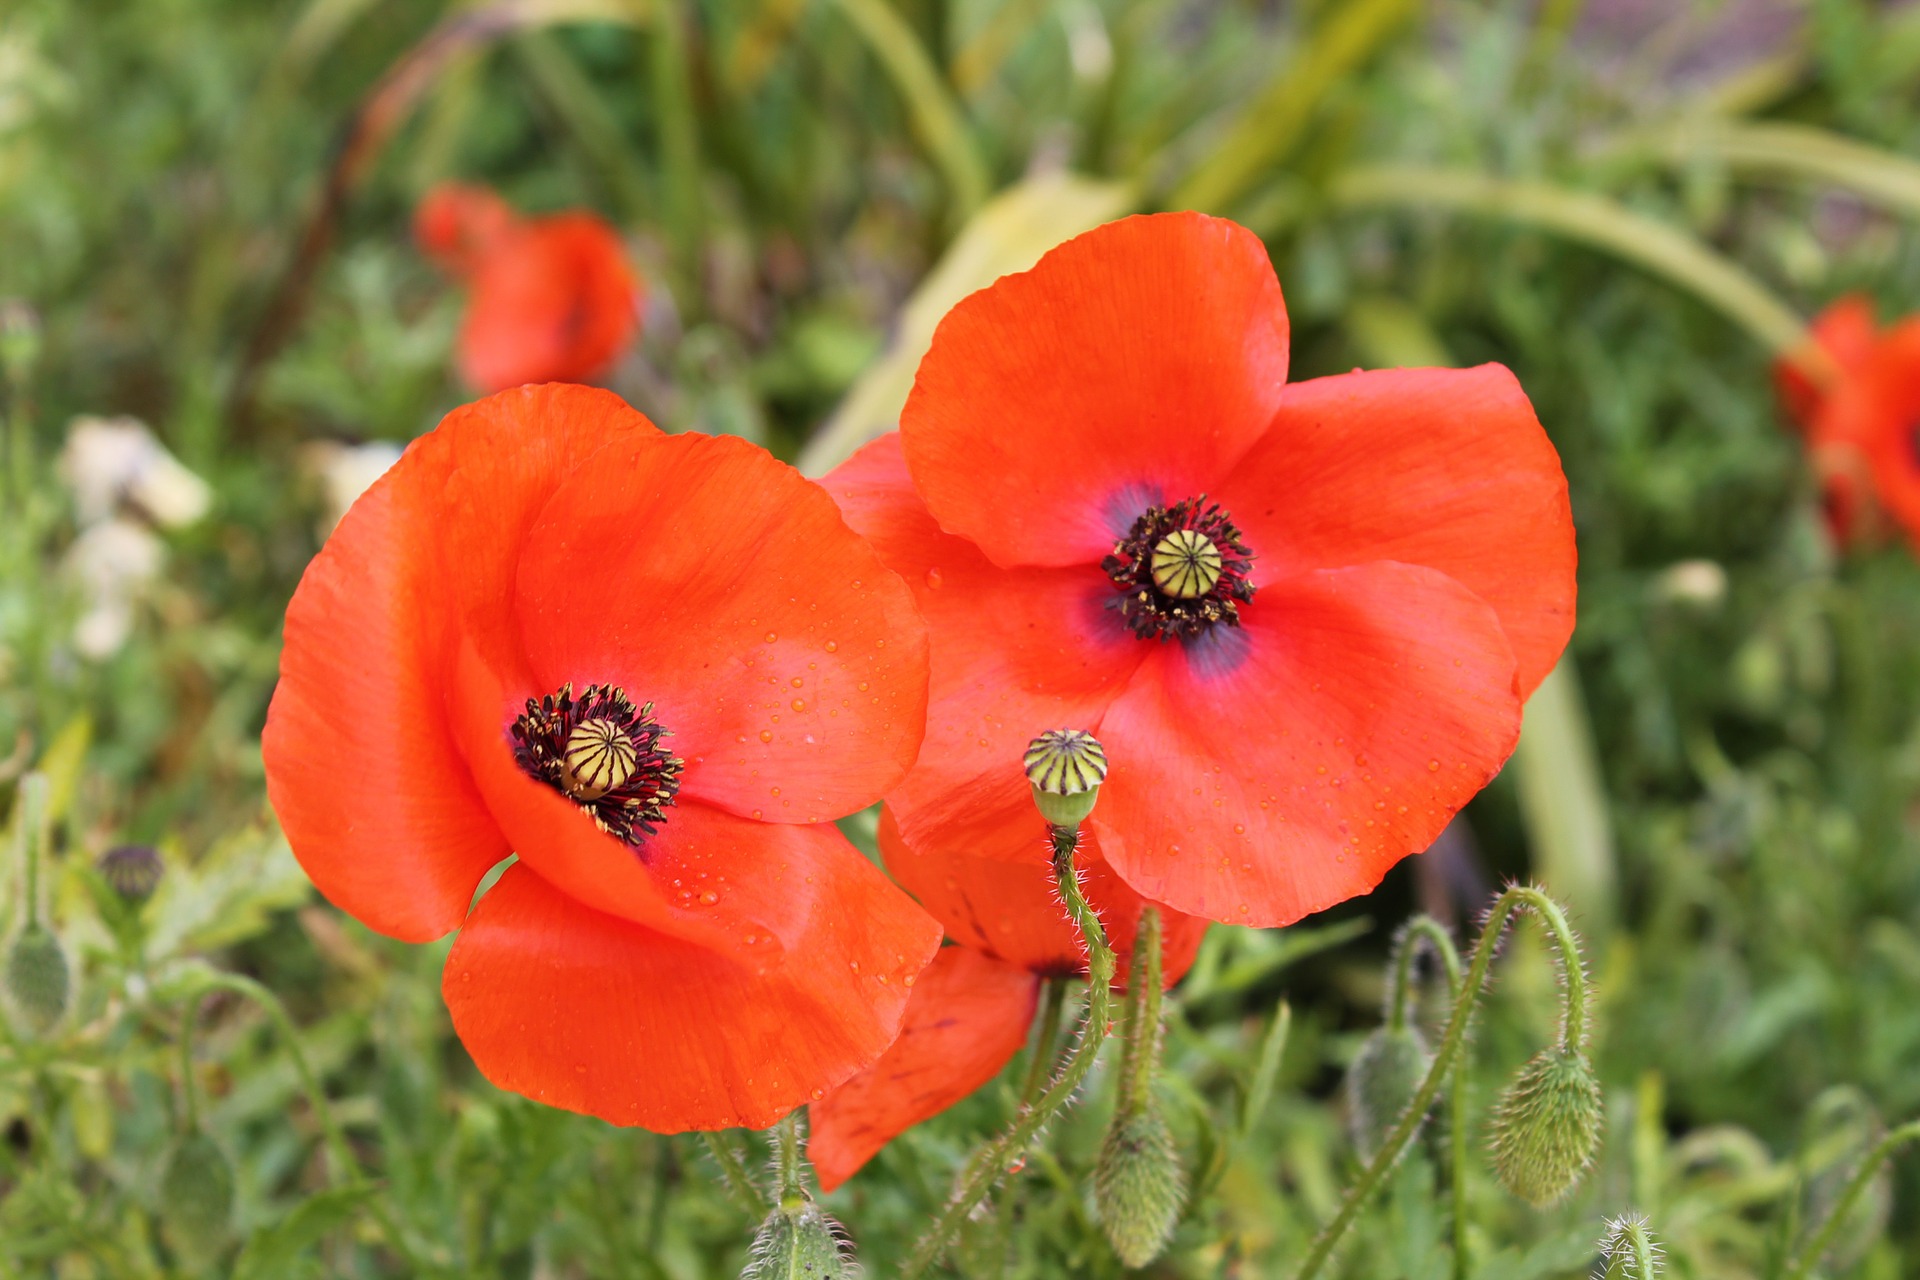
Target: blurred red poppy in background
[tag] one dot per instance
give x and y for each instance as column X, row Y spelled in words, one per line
column 972, row 1009
column 551, row 299
column 1862, row 425
column 655, row 668
column 1301, row 619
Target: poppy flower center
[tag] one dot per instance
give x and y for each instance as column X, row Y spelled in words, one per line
column 1181, row 570
column 602, row 753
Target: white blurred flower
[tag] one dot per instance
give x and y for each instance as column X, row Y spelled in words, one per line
column 346, row 471
column 110, row 562
column 1700, row 583
column 114, row 462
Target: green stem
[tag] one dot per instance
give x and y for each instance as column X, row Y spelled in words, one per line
column 1053, row 1002
column 1422, row 928
column 789, row 1188
column 992, row 1160
column 1425, row 929
column 1642, row 1249
column 335, row 1140
column 1593, row 220
column 1457, row 1159
column 935, row 117
column 30, row 806
column 1141, row 1052
column 1466, row 995
column 345, row 1164
column 738, row 1180
column 1823, row 1239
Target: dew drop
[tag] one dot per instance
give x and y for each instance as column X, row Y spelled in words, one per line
column 1433, row 766
column 799, row 704
column 799, row 682
column 766, row 735
column 771, row 637
column 933, row 579
column 833, row 646
column 709, row 897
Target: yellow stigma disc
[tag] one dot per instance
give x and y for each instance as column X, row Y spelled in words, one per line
column 599, row 757
column 1186, row 564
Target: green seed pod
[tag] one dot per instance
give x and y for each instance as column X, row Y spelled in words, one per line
column 196, row 1197
column 798, row 1242
column 1139, row 1186
column 1066, row 768
column 37, row 978
column 1629, row 1250
column 1546, row 1126
column 1381, row 1082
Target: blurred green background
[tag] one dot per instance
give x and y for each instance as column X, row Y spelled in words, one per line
column 204, row 224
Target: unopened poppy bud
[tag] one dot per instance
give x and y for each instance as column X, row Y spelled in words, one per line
column 196, row 1196
column 1381, row 1082
column 1066, row 768
column 132, row 871
column 1629, row 1251
column 1546, row 1126
column 37, row 977
column 1139, row 1186
column 798, row 1242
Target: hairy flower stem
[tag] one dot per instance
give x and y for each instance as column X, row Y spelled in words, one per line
column 345, row 1166
column 30, row 817
column 738, row 1180
column 1823, row 1239
column 991, row 1161
column 1425, row 928
column 1466, row 997
column 790, row 1189
column 1053, row 1002
column 1141, row 1057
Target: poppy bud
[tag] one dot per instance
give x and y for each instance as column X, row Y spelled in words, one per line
column 1066, row 768
column 37, row 977
column 133, row 871
column 1629, row 1250
column 1381, row 1082
column 1546, row 1125
column 1139, row 1186
column 798, row 1242
column 196, row 1196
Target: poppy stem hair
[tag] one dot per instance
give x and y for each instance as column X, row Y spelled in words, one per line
column 1423, row 932
column 1453, row 1039
column 979, row 1174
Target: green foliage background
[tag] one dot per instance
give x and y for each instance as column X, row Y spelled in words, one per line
column 789, row 171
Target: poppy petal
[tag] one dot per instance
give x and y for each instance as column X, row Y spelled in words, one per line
column 583, row 1010
column 362, row 770
column 694, row 878
column 707, row 577
column 553, row 300
column 968, row 1016
column 1010, row 910
column 1132, row 366
column 1015, row 652
column 1446, row 468
column 1287, row 766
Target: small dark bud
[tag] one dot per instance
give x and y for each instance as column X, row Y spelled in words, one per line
column 1383, row 1079
column 196, row 1197
column 37, row 978
column 133, row 871
column 1066, row 768
column 798, row 1242
column 1546, row 1126
column 1139, row 1186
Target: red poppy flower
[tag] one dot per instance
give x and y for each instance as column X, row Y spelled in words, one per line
column 1301, row 619
column 654, row 668
column 552, row 299
column 1862, row 425
column 972, row 1009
